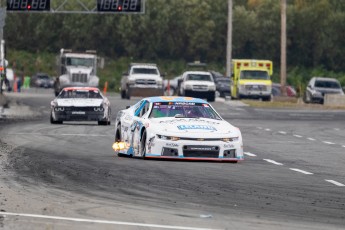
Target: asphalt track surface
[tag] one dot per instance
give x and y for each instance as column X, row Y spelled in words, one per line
column 68, row 177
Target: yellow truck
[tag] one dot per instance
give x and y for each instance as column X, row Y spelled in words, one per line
column 251, row 79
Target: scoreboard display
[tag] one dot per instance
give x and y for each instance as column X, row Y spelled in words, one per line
column 120, row 6
column 28, row 5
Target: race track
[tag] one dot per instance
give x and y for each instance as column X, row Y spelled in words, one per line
column 68, row 177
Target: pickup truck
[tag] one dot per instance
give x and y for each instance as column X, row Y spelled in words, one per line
column 142, row 79
column 197, row 84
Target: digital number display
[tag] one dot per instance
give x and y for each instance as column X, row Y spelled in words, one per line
column 28, row 5
column 126, row 6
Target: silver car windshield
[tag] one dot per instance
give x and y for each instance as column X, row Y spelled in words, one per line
column 183, row 110
column 327, row 84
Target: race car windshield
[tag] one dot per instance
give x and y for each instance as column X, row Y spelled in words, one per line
column 86, row 94
column 183, row 110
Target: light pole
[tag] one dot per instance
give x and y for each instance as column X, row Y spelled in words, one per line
column 229, row 40
column 283, row 48
column 2, row 45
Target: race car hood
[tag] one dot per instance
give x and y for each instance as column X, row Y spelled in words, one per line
column 79, row 102
column 191, row 126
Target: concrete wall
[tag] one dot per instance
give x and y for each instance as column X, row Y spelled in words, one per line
column 334, row 100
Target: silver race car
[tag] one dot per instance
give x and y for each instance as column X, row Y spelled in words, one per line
column 80, row 104
column 176, row 128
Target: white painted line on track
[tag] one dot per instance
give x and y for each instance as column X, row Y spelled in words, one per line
column 86, row 135
column 328, row 142
column 249, row 154
column 282, row 132
column 101, row 221
column 301, row 171
column 63, row 134
column 344, row 146
column 336, row 183
column 299, row 136
column 273, row 162
column 267, row 130
column 311, row 139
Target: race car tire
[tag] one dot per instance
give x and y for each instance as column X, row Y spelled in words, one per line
column 102, row 122
column 52, row 121
column 118, row 133
column 143, row 145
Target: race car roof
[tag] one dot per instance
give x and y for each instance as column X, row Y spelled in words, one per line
column 175, row 99
column 82, row 88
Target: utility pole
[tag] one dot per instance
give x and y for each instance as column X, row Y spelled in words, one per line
column 229, row 40
column 283, row 48
column 2, row 45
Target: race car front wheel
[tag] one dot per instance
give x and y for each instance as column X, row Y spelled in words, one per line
column 143, row 145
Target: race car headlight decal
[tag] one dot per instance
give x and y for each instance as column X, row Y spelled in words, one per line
column 59, row 109
column 168, row 138
column 230, row 139
column 100, row 109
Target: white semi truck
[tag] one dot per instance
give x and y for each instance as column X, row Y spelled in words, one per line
column 76, row 69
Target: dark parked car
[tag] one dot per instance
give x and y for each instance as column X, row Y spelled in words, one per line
column 42, row 80
column 318, row 87
column 290, row 90
column 222, row 86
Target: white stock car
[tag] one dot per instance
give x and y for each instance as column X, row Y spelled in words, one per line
column 80, row 104
column 176, row 128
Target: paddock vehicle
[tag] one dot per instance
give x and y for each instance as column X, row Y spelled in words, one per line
column 251, row 79
column 318, row 87
column 142, row 79
column 77, row 69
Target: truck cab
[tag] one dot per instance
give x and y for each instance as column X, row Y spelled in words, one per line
column 76, row 69
column 251, row 79
column 198, row 84
column 142, row 79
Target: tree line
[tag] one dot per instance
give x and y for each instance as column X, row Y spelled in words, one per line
column 194, row 30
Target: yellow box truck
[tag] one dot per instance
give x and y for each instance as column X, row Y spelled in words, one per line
column 251, row 79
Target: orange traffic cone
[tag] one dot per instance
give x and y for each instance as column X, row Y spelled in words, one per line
column 15, row 85
column 105, row 87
